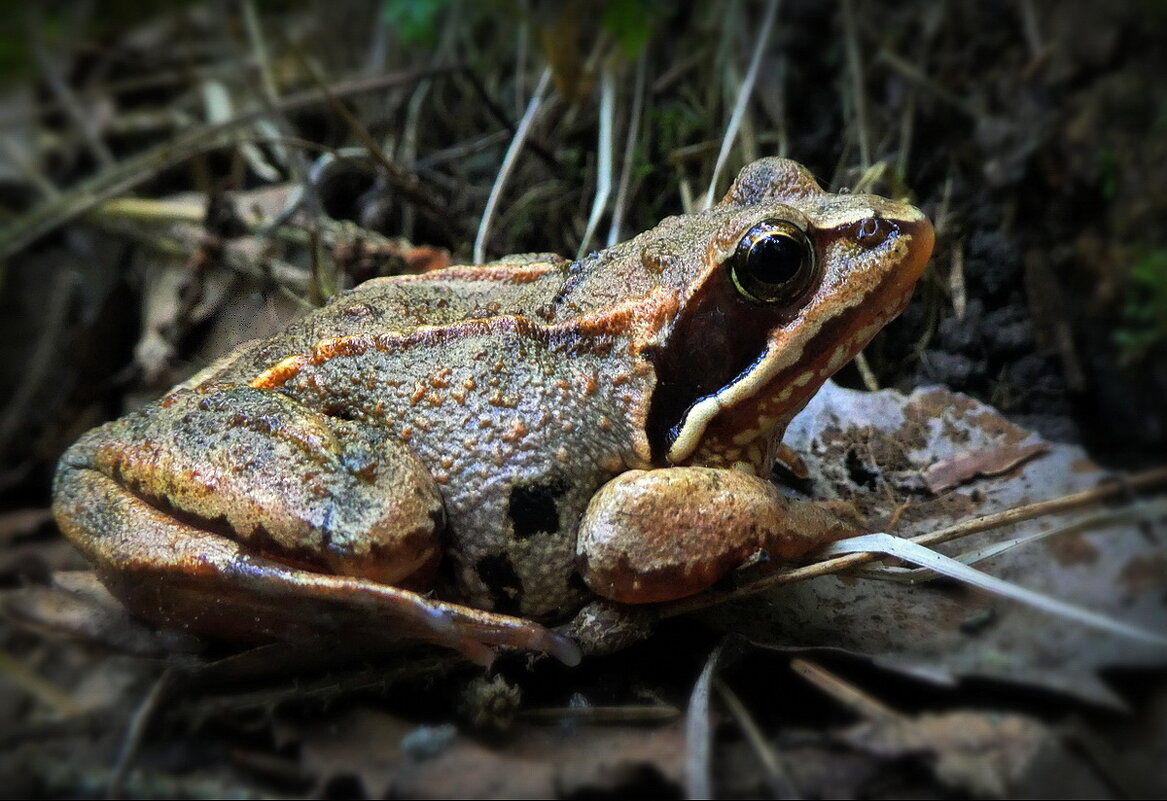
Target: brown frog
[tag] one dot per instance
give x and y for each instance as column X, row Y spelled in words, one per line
column 463, row 455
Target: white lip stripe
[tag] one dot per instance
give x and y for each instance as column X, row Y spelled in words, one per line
column 702, row 413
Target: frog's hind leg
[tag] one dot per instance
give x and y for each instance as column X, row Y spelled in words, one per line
column 196, row 580
column 238, row 511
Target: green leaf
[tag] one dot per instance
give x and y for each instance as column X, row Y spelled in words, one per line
column 630, row 21
column 416, row 21
column 1144, row 318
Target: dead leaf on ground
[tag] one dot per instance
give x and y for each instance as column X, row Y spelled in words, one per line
column 953, row 472
column 948, row 631
column 985, row 754
column 385, row 755
column 79, row 607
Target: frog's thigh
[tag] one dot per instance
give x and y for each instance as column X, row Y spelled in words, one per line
column 261, row 469
column 657, row 535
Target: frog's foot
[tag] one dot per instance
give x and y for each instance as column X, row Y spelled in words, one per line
column 659, row 535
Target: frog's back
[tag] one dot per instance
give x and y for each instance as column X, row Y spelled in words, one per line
column 442, row 297
column 479, row 373
column 401, row 305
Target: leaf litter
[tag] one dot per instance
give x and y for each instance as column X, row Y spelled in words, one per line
column 949, row 632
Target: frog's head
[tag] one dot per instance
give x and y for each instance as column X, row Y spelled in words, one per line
column 793, row 282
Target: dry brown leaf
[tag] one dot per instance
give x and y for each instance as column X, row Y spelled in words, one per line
column 953, row 472
column 985, row 754
column 80, row 607
column 946, row 631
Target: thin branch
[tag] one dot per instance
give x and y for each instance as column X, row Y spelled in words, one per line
column 777, row 776
column 125, row 175
column 855, row 70
column 139, row 725
column 844, row 692
column 604, row 157
column 630, row 140
column 84, row 119
column 402, row 180
column 913, row 75
column 39, row 371
column 837, row 564
column 699, row 731
column 508, row 163
column 900, row 548
column 743, row 96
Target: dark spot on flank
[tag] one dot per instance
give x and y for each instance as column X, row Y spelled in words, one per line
column 576, row 581
column 499, row 576
column 532, row 508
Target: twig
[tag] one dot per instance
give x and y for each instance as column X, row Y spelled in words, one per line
column 698, row 731
column 123, row 176
column 407, row 152
column 855, row 70
column 1139, row 512
column 270, row 98
column 33, row 174
column 403, row 181
column 84, row 120
column 493, row 108
column 604, row 156
column 508, row 163
column 33, row 377
column 743, row 96
column 778, row 778
column 888, row 545
column 914, row 75
column 842, row 691
column 837, row 564
column 255, row 36
column 25, row 678
column 907, row 128
column 139, row 725
column 630, row 140
column 870, row 382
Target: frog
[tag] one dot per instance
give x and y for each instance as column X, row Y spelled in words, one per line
column 471, row 455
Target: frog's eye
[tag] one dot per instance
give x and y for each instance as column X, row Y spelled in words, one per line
column 773, row 263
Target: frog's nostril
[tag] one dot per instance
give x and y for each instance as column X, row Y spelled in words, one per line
column 871, row 232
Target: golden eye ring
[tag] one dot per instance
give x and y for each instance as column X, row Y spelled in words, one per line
column 774, row 263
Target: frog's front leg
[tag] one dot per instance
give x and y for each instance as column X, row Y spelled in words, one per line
column 241, row 512
column 658, row 535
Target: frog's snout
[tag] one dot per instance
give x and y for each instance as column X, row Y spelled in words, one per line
column 922, row 238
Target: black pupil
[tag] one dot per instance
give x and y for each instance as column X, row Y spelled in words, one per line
column 774, row 260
